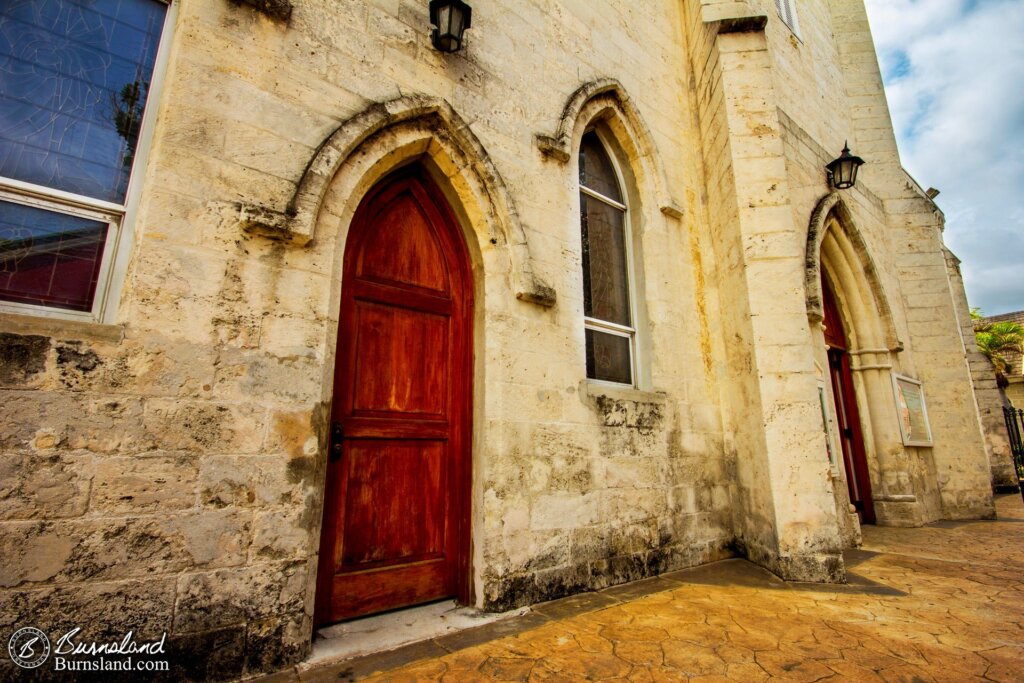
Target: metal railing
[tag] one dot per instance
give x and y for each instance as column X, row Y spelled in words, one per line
column 1015, row 430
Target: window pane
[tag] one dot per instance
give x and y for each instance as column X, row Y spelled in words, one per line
column 49, row 259
column 74, row 75
column 596, row 170
column 605, row 283
column 608, row 357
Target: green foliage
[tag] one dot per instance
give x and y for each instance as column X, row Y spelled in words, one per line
column 995, row 339
column 128, row 105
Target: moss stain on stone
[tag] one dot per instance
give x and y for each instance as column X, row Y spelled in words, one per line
column 22, row 357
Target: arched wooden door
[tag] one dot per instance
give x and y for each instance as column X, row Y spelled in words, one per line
column 855, row 459
column 396, row 516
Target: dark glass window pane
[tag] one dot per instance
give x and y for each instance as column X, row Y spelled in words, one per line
column 608, row 357
column 49, row 259
column 74, row 76
column 596, row 172
column 605, row 281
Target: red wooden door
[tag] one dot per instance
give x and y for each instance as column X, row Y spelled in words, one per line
column 396, row 516
column 855, row 459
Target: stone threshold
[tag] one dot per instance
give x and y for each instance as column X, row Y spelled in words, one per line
column 391, row 630
column 461, row 629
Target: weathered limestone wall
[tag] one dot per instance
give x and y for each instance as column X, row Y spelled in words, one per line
column 858, row 262
column 929, row 327
column 986, row 392
column 128, row 503
column 827, row 89
column 1015, row 392
column 751, row 506
column 785, row 511
column 165, row 473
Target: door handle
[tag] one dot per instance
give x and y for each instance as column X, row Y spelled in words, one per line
column 337, row 436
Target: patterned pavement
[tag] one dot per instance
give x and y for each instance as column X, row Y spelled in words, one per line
column 940, row 603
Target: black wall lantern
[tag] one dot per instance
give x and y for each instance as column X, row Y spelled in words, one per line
column 449, row 18
column 843, row 171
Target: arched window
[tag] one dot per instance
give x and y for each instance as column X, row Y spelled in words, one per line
column 607, row 270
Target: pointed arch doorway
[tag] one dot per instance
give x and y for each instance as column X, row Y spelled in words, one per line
column 396, row 510
column 844, row 397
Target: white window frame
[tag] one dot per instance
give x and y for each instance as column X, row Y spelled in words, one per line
column 120, row 218
column 787, row 12
column 605, row 326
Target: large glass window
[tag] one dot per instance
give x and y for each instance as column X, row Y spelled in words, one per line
column 75, row 76
column 607, row 299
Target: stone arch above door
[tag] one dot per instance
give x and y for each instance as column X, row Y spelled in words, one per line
column 393, row 132
column 831, row 219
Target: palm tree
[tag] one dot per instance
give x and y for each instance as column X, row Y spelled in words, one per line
column 995, row 339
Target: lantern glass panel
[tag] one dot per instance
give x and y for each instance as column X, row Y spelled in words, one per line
column 843, row 174
column 447, row 43
column 455, row 22
column 846, row 173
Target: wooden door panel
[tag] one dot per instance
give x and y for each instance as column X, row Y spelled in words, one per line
column 371, row 591
column 403, row 248
column 394, row 508
column 403, row 360
column 404, row 427
column 402, row 297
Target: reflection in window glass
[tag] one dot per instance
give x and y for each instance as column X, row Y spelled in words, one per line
column 605, row 279
column 74, row 76
column 49, row 259
column 606, row 302
column 596, row 170
column 608, row 357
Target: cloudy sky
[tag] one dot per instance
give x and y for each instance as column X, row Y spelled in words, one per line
column 954, row 77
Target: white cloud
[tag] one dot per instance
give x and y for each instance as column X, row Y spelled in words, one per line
column 954, row 72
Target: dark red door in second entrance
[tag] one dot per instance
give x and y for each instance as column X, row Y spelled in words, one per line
column 396, row 516
column 851, row 438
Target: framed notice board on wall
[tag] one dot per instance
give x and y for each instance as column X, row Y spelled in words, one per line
column 911, row 411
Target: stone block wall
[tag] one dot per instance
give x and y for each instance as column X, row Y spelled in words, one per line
column 987, row 394
column 930, row 323
column 165, row 473
column 130, row 504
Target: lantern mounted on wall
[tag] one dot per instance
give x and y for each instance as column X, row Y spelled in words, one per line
column 450, row 19
column 842, row 172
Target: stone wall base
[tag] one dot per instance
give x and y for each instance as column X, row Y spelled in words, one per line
column 806, row 568
column 970, row 505
column 519, row 590
column 900, row 513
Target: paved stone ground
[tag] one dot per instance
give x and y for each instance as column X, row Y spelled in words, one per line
column 942, row 603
